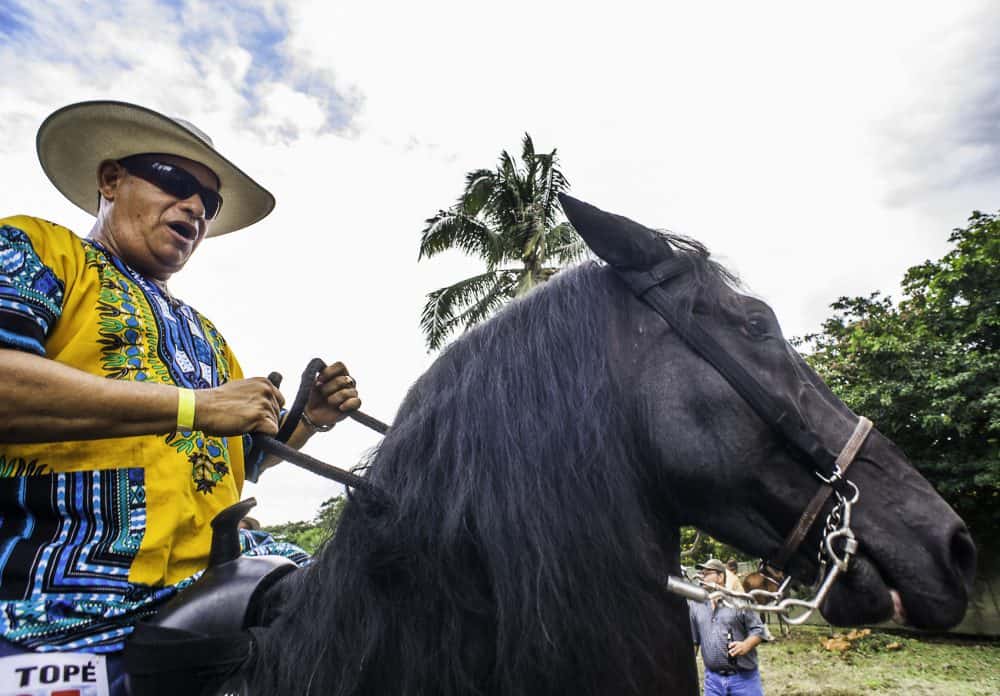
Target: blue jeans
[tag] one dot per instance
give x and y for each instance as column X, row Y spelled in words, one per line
column 739, row 684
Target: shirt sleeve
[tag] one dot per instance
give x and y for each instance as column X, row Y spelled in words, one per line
column 694, row 625
column 752, row 623
column 31, row 294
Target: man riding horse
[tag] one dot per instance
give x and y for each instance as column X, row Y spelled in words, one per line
column 123, row 412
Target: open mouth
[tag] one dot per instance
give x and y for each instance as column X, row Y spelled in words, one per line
column 898, row 610
column 885, row 585
column 184, row 230
column 863, row 595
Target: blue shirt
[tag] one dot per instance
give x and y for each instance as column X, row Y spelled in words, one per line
column 709, row 628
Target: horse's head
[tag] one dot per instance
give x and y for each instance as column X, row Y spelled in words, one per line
column 759, row 581
column 721, row 466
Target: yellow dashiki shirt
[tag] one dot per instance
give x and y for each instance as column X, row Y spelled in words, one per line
column 96, row 534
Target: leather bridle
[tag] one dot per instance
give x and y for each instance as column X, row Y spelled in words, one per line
column 649, row 286
column 808, row 518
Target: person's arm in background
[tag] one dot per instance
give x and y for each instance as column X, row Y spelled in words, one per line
column 754, row 627
column 694, row 629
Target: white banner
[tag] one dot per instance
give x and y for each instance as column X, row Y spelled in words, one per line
column 53, row 674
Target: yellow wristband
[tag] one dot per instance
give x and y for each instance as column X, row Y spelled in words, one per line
column 185, row 410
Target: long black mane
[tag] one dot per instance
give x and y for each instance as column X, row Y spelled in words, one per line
column 521, row 553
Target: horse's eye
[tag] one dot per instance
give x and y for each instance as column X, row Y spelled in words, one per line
column 757, row 327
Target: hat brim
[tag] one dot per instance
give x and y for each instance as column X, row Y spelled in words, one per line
column 74, row 140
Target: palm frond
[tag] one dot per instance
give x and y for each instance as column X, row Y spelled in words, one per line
column 555, row 183
column 446, row 307
column 532, row 164
column 450, row 229
column 527, row 148
column 564, row 244
column 558, row 183
column 479, row 185
column 497, row 296
column 508, row 167
column 562, row 234
column 526, row 282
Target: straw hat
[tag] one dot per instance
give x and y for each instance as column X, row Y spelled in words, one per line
column 74, row 140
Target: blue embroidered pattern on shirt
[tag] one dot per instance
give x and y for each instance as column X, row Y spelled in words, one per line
column 73, row 555
column 254, row 542
column 31, row 295
column 138, row 319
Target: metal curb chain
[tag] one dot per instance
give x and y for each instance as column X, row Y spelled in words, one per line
column 832, row 564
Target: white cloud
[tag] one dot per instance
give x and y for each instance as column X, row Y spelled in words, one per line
column 945, row 132
column 286, row 115
column 777, row 134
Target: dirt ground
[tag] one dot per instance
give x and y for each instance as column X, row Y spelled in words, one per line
column 877, row 663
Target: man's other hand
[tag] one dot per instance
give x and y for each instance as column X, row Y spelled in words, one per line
column 334, row 394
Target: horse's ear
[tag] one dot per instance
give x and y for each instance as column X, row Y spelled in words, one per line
column 621, row 242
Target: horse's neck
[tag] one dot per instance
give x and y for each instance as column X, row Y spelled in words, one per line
column 670, row 542
column 396, row 621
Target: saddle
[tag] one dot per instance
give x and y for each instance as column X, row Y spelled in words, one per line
column 202, row 642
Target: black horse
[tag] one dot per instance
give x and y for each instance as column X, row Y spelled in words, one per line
column 539, row 473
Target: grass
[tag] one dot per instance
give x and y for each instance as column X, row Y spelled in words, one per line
column 877, row 663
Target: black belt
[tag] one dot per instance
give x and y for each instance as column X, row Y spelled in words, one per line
column 730, row 671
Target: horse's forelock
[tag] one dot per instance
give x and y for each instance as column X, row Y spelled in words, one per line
column 709, row 286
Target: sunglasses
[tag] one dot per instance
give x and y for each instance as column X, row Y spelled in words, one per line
column 173, row 180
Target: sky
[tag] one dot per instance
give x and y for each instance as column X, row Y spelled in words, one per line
column 818, row 151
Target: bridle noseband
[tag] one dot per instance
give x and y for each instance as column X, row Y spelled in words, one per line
column 808, row 518
column 648, row 286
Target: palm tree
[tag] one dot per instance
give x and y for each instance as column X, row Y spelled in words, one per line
column 504, row 216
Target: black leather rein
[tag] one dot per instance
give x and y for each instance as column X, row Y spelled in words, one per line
column 277, row 445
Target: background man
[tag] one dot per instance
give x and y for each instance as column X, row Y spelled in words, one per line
column 728, row 639
column 123, row 412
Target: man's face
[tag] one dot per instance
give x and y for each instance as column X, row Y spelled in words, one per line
column 151, row 230
column 709, row 575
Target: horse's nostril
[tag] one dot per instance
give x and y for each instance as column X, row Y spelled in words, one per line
column 963, row 556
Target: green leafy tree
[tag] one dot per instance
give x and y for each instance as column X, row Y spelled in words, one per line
column 927, row 370
column 509, row 217
column 311, row 535
column 698, row 547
